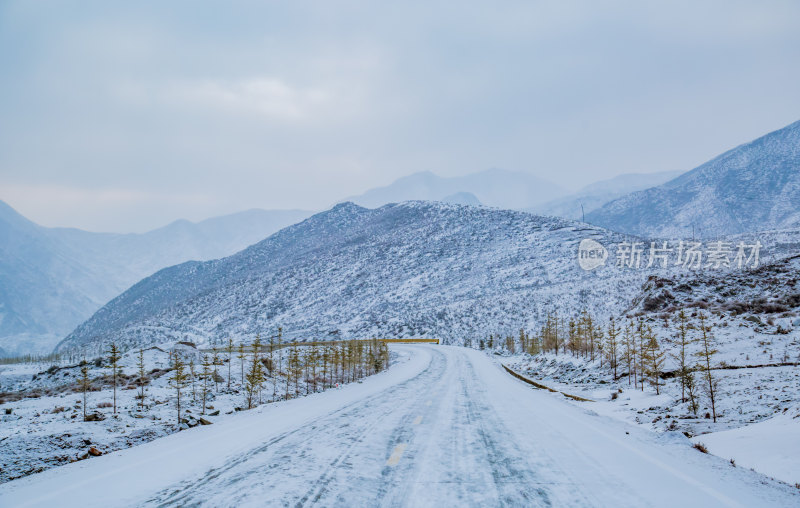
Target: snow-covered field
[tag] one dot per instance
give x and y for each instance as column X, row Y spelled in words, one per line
column 444, row 426
column 45, row 427
column 758, row 408
column 754, row 317
column 771, row 447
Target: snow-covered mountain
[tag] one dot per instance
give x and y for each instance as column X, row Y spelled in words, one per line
column 52, row 279
column 44, row 286
column 753, row 187
column 595, row 195
column 512, row 190
column 403, row 270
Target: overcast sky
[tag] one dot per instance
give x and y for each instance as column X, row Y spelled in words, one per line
column 123, row 116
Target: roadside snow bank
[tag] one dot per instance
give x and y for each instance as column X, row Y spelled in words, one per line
column 771, row 447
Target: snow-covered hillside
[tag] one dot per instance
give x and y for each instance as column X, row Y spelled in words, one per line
column 52, row 279
column 413, row 269
column 753, row 320
column 753, row 187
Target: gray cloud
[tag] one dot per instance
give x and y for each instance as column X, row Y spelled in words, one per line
column 125, row 116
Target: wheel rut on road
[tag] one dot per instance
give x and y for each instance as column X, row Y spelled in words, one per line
column 324, row 446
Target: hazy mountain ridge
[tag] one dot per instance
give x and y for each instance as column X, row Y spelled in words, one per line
column 52, row 279
column 462, row 198
column 753, row 187
column 596, row 194
column 412, row 269
column 513, row 190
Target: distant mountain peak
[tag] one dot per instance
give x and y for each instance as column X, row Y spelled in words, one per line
column 753, row 187
column 462, row 198
column 346, row 206
column 495, row 187
column 51, row 279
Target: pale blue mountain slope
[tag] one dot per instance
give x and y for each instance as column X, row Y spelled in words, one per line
column 52, row 279
column 462, row 198
column 753, row 187
column 595, row 195
column 513, row 190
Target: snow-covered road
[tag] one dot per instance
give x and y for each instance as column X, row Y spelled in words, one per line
column 445, row 426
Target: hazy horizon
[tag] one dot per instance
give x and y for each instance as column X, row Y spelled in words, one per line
column 199, row 219
column 126, row 117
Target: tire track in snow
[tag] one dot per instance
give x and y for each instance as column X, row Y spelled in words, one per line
column 516, row 482
column 401, row 434
column 344, row 428
column 319, row 489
